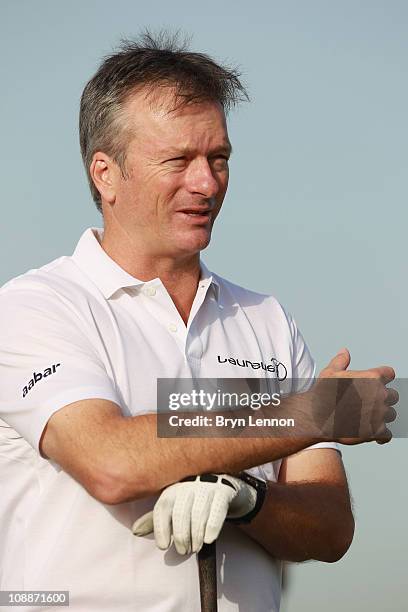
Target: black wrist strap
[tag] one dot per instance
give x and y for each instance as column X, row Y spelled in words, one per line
column 208, row 478
column 260, row 488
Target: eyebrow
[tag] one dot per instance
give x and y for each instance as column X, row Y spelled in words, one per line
column 181, row 151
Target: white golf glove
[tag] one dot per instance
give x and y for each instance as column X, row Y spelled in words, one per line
column 194, row 511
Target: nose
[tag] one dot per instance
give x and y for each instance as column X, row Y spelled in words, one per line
column 201, row 180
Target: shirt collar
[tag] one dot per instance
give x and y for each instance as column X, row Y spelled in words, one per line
column 107, row 275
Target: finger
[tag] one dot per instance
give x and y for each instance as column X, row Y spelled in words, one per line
column 181, row 521
column 162, row 521
column 340, row 362
column 390, row 415
column 199, row 517
column 386, row 373
column 385, row 437
column 143, row 525
column 392, row 396
column 217, row 516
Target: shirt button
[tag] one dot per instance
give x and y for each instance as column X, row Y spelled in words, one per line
column 172, row 327
column 150, row 291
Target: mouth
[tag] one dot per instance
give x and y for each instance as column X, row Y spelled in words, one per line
column 198, row 215
column 196, row 211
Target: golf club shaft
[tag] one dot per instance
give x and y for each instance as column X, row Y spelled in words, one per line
column 207, row 571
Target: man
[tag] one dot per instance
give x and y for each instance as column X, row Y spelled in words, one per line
column 84, row 338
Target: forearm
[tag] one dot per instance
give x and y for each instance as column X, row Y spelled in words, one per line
column 144, row 463
column 303, row 521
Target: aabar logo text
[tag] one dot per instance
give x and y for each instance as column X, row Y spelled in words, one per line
column 37, row 376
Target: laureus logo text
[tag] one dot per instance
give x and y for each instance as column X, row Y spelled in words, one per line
column 276, row 366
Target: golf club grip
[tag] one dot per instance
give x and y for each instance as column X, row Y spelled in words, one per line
column 207, row 571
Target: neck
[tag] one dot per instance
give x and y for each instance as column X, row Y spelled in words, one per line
column 179, row 275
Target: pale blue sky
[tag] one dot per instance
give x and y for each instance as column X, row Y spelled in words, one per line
column 316, row 212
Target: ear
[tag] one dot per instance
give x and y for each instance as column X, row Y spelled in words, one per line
column 103, row 171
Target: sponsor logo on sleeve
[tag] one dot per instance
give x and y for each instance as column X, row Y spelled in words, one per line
column 37, row 376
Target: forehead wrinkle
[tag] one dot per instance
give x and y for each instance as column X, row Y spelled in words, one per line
column 140, row 109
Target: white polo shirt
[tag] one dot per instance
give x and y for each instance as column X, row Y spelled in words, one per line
column 81, row 327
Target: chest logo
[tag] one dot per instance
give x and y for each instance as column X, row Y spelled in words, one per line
column 276, row 366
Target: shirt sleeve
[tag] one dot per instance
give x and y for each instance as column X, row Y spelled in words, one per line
column 304, row 371
column 46, row 361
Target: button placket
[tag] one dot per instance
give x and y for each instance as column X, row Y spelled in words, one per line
column 198, row 301
column 164, row 310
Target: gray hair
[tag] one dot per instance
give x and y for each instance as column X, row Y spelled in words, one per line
column 150, row 62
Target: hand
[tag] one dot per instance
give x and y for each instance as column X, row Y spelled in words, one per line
column 193, row 512
column 353, row 406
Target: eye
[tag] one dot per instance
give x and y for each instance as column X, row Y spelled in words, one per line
column 176, row 161
column 220, row 162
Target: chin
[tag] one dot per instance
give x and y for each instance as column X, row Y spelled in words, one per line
column 193, row 243
column 192, row 247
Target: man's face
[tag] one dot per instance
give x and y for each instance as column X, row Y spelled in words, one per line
column 177, row 166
